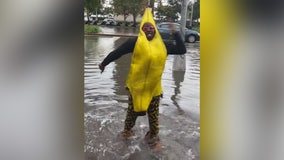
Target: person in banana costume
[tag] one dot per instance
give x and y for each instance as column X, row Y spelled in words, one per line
column 144, row 78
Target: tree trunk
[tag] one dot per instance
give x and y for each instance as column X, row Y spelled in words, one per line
column 191, row 15
column 97, row 14
column 183, row 17
column 124, row 17
column 88, row 14
column 134, row 20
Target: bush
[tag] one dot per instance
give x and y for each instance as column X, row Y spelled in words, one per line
column 91, row 29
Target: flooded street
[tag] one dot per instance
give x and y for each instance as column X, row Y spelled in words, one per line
column 106, row 104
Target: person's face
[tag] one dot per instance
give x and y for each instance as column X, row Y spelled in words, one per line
column 149, row 30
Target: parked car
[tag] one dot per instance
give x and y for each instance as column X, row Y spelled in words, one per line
column 190, row 36
column 109, row 21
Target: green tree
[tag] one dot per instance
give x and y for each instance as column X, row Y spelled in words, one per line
column 107, row 10
column 136, row 7
column 166, row 11
column 126, row 7
column 121, row 7
column 176, row 4
column 196, row 10
column 92, row 6
column 169, row 11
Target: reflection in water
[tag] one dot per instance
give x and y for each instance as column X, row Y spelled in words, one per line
column 178, row 77
column 179, row 68
column 179, row 63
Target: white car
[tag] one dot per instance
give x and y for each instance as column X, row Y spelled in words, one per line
column 109, row 21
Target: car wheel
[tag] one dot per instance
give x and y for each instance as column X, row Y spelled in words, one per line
column 191, row 39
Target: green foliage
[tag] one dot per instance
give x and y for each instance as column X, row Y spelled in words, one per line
column 91, row 6
column 91, row 29
column 107, row 10
column 196, row 10
column 174, row 7
column 167, row 11
column 170, row 10
column 176, row 4
column 121, row 7
column 136, row 7
column 126, row 7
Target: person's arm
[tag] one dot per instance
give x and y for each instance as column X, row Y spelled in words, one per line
column 177, row 46
column 126, row 47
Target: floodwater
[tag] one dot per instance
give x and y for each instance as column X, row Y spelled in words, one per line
column 106, row 105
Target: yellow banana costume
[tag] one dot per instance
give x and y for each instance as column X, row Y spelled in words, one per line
column 147, row 66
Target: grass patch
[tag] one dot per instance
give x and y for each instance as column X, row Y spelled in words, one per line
column 91, row 29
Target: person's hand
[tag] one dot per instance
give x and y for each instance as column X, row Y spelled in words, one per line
column 102, row 67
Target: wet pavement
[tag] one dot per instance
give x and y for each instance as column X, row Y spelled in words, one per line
column 106, row 104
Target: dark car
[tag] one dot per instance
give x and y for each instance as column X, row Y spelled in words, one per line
column 191, row 36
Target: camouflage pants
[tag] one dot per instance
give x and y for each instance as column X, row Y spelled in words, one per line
column 153, row 116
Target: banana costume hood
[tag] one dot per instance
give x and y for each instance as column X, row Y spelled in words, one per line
column 147, row 66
